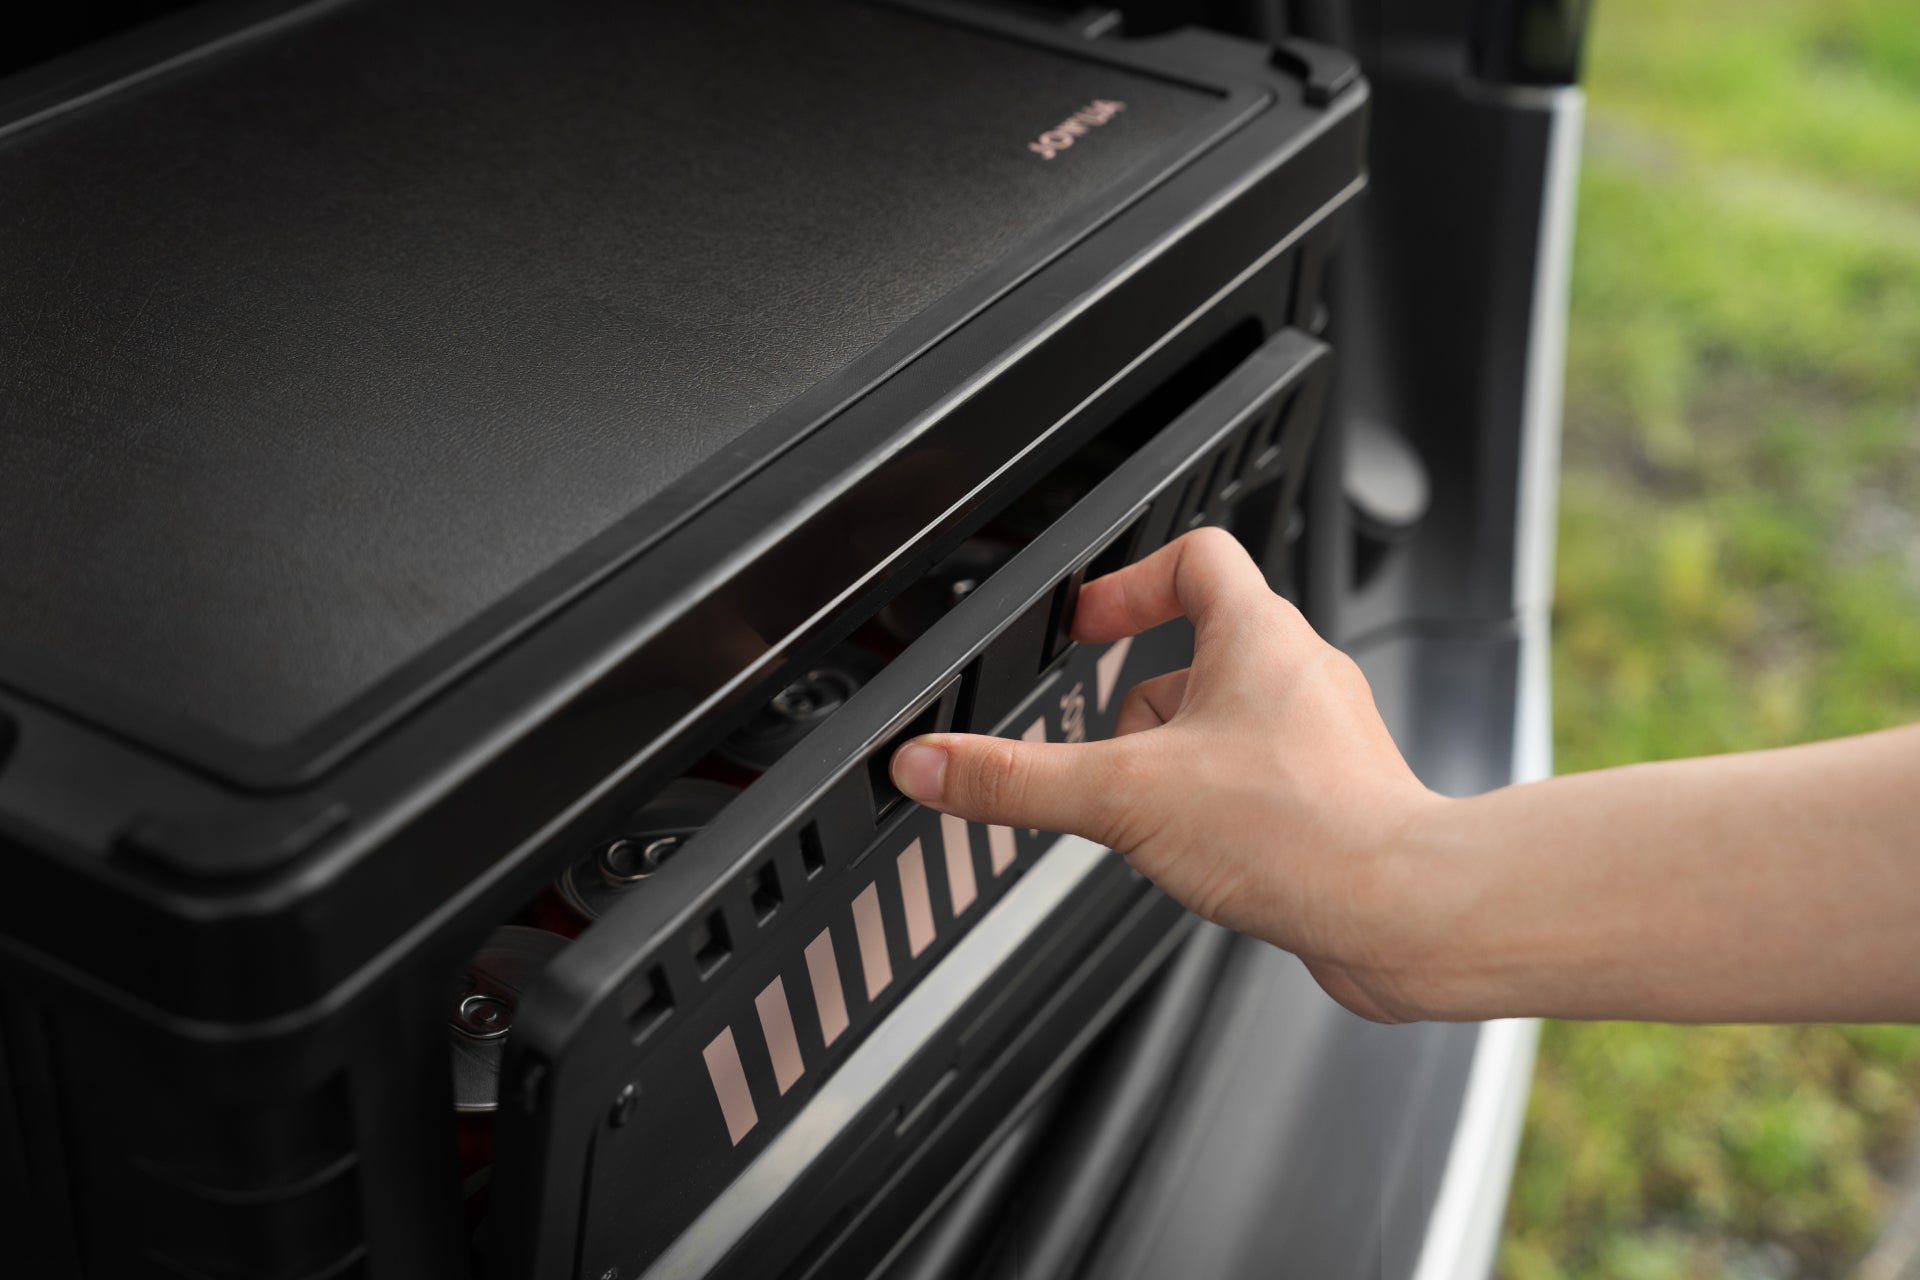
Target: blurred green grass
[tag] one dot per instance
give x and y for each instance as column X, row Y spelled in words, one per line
column 1739, row 567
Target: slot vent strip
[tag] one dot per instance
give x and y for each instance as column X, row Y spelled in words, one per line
column 958, row 844
column 871, row 934
column 783, row 1046
column 913, row 896
column 730, row 1085
column 1000, row 847
column 775, row 1014
column 823, row 971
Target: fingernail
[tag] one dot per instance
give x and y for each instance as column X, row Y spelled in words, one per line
column 919, row 769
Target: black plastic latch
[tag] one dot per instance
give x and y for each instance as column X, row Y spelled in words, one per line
column 936, row 714
column 1324, row 73
column 1116, row 553
column 245, row 840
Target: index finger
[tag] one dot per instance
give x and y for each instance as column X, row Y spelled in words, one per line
column 1194, row 576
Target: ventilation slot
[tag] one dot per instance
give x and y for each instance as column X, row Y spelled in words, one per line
column 765, row 896
column 711, row 944
column 1267, row 440
column 655, row 1004
column 813, row 856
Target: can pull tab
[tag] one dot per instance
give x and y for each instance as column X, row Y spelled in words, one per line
column 627, row 860
column 484, row 1016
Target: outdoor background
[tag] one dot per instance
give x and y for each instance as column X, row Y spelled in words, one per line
column 1739, row 567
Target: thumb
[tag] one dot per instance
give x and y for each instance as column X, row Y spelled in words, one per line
column 1050, row 785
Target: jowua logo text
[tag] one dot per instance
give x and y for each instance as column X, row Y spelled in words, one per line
column 1061, row 136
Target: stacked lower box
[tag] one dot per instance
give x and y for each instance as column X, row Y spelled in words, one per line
column 208, row 1165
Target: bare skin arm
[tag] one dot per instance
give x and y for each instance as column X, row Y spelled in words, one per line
column 1260, row 789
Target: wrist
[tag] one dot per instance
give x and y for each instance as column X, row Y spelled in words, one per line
column 1446, row 920
column 1393, row 936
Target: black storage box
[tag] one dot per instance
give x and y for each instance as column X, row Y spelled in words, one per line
column 429, row 430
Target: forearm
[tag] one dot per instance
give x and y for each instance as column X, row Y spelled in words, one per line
column 1775, row 886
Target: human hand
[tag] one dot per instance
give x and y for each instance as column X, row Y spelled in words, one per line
column 1258, row 787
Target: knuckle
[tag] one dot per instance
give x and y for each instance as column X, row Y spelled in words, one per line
column 1212, row 540
column 1130, row 606
column 1130, row 772
column 1345, row 672
column 998, row 776
column 1135, row 810
column 1217, row 896
column 1287, row 613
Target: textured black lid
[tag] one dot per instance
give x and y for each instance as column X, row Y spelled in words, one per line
column 316, row 349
